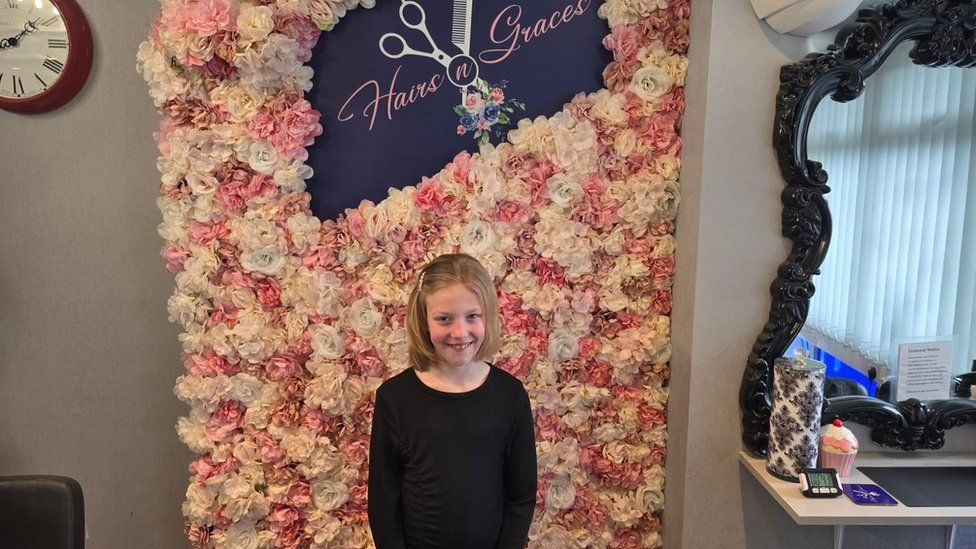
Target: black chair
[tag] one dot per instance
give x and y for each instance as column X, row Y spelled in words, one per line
column 41, row 512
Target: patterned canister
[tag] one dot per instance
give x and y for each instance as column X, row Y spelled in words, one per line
column 794, row 421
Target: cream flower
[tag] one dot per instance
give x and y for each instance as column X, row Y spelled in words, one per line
column 326, row 341
column 268, row 260
column 364, row 319
column 262, row 157
column 254, row 23
column 329, row 495
column 650, row 82
column 563, row 190
column 563, row 346
column 561, row 494
column 477, row 238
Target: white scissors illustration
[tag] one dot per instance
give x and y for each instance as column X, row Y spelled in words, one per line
column 462, row 69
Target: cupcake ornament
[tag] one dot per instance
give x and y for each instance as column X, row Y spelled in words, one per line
column 838, row 448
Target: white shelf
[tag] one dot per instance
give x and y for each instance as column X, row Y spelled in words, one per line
column 842, row 511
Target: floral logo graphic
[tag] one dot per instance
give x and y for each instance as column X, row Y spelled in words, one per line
column 483, row 110
column 482, row 107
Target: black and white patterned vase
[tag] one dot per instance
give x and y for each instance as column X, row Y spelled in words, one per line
column 794, row 422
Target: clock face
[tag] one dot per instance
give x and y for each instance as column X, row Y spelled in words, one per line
column 33, row 47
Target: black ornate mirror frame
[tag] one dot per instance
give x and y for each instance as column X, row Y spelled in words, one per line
column 945, row 35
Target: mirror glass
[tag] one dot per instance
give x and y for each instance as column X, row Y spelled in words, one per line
column 900, row 272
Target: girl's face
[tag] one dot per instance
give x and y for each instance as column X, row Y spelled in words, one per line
column 456, row 324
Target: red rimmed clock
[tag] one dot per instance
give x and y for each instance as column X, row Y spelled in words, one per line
column 45, row 54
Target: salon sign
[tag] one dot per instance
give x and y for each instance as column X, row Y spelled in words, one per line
column 421, row 80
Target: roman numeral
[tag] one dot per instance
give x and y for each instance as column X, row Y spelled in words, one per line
column 12, row 4
column 50, row 20
column 57, row 43
column 43, row 83
column 53, row 65
column 18, row 84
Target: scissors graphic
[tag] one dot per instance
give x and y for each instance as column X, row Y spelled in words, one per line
column 462, row 69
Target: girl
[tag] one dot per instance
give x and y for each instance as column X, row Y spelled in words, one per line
column 452, row 460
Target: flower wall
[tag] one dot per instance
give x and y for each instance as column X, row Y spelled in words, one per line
column 291, row 322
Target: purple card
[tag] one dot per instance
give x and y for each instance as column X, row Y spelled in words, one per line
column 868, row 494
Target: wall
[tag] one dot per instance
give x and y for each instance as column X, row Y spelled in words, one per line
column 89, row 359
column 728, row 252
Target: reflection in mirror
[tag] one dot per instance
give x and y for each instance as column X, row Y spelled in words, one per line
column 901, row 267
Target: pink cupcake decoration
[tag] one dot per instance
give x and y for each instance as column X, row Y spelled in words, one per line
column 838, row 448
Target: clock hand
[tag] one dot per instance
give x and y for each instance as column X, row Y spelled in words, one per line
column 14, row 41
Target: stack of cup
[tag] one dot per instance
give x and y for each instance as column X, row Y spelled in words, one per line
column 794, row 421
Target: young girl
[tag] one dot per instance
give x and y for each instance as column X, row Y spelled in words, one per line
column 452, row 460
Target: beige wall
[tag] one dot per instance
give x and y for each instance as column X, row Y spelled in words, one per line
column 88, row 359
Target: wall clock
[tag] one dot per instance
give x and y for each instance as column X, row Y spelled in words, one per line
column 45, row 54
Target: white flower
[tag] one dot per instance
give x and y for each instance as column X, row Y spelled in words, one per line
column 364, row 319
column 241, row 535
column 193, row 434
column 326, row 341
column 245, row 388
column 563, row 190
column 650, row 498
column 268, row 260
column 291, row 178
column 650, row 82
column 562, row 346
column 329, row 495
column 561, row 494
column 477, row 238
column 201, row 183
column 263, row 157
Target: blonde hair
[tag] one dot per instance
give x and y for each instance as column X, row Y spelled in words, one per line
column 443, row 271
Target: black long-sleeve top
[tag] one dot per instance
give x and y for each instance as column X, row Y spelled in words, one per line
column 451, row 470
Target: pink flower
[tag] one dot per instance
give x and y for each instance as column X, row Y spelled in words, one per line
column 624, row 42
column 205, row 233
column 662, row 268
column 429, row 196
column 224, row 312
column 461, row 130
column 282, row 516
column 547, row 426
column 206, row 17
column 282, row 367
column 497, row 95
column 261, row 126
column 662, row 301
column 292, row 20
column 175, row 255
column 208, row 364
column 231, row 197
column 297, row 128
column 355, row 451
column 260, row 186
column 225, row 421
column 205, row 469
column 268, row 449
column 473, row 103
column 483, row 124
column 269, row 293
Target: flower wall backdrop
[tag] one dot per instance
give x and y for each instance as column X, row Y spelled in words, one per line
column 291, row 322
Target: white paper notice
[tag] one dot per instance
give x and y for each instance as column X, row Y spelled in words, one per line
column 924, row 370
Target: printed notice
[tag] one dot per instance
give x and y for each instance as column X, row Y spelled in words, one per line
column 924, row 370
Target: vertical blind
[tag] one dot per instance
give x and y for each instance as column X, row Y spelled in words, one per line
column 902, row 170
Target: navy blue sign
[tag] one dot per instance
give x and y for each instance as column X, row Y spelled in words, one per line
column 405, row 86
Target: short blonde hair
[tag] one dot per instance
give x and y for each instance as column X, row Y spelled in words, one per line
column 443, row 271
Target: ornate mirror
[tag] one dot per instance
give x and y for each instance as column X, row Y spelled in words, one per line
column 901, row 269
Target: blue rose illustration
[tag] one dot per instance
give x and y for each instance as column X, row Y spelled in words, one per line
column 492, row 111
column 469, row 122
